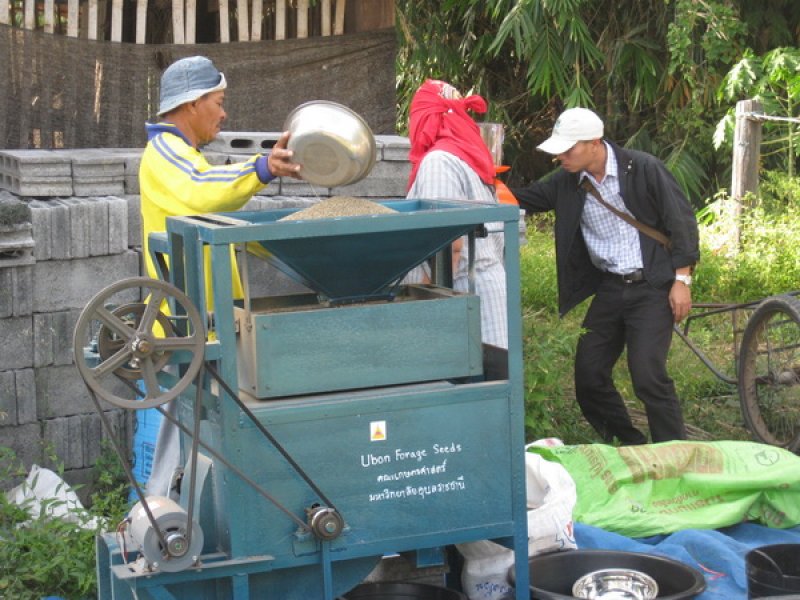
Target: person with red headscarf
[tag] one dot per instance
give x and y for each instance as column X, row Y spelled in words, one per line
column 450, row 161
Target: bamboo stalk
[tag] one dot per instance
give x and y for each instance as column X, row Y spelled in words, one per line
column 280, row 19
column 141, row 21
column 4, row 12
column 30, row 14
column 241, row 17
column 224, row 22
column 91, row 28
column 326, row 17
column 116, row 21
column 302, row 19
column 177, row 22
column 73, row 18
column 255, row 27
column 191, row 21
column 49, row 9
column 338, row 26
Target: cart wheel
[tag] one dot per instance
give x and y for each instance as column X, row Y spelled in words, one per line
column 137, row 340
column 769, row 372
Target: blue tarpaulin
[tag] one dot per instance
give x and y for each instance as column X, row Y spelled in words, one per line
column 717, row 553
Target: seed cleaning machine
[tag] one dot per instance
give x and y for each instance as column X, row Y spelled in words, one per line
column 321, row 431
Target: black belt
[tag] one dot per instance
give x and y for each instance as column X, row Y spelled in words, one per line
column 636, row 276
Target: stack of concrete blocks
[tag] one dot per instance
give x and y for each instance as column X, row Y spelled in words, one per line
column 83, row 233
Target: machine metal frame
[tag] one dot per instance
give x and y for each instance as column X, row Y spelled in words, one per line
column 252, row 550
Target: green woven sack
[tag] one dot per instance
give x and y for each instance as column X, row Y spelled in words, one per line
column 646, row 490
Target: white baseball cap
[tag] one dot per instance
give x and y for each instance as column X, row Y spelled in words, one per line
column 572, row 126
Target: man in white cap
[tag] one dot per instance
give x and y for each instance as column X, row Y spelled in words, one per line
column 176, row 180
column 626, row 234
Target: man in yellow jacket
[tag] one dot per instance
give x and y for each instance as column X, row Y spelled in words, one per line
column 174, row 177
column 176, row 180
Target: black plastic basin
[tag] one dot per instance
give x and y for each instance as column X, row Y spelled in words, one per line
column 402, row 591
column 773, row 571
column 552, row 575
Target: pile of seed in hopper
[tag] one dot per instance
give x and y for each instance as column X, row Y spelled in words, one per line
column 339, row 206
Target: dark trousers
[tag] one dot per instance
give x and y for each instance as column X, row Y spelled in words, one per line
column 637, row 316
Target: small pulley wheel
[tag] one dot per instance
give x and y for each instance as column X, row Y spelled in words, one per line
column 109, row 342
column 325, row 523
column 136, row 340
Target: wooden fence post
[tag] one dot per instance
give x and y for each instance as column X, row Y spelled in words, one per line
column 302, row 19
column 178, row 24
column 73, row 16
column 746, row 156
column 280, row 19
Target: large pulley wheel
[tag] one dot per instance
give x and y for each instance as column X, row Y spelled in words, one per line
column 769, row 372
column 141, row 325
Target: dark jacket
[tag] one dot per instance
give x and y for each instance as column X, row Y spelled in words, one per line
column 650, row 193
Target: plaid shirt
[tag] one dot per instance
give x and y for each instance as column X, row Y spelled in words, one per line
column 613, row 244
column 444, row 176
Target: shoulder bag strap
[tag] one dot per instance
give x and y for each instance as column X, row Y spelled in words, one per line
column 645, row 229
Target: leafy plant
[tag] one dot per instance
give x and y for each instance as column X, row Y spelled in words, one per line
column 41, row 555
column 774, row 80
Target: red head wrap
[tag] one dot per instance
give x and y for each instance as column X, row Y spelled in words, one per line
column 439, row 123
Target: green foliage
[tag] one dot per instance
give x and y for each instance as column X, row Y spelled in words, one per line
column 774, row 80
column 41, row 555
column 650, row 68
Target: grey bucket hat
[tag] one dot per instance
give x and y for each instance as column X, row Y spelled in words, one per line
column 187, row 80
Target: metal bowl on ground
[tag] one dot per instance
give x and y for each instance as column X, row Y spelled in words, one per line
column 615, row 584
column 333, row 144
column 553, row 575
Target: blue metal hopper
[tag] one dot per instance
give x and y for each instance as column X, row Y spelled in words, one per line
column 358, row 258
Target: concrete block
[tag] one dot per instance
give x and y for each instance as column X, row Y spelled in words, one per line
column 52, row 230
column 111, row 186
column 64, row 436
column 79, row 227
column 243, row 142
column 17, row 397
column 94, row 432
column 61, row 392
column 25, row 441
column 16, row 291
column 25, row 385
column 44, row 188
column 35, row 163
column 117, row 224
column 394, row 147
column 131, row 183
column 93, row 164
column 16, row 351
column 99, row 225
column 66, row 284
column 279, row 202
column 41, row 228
column 16, row 245
column 134, row 220
column 52, row 337
column 8, row 399
column 388, row 179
